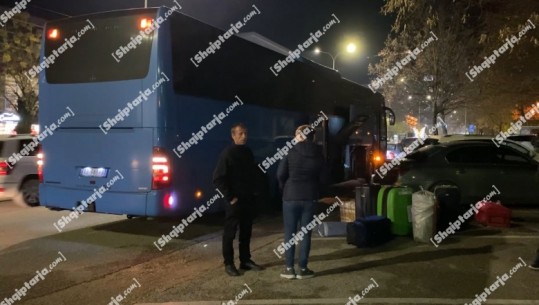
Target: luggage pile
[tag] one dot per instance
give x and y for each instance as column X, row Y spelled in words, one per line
column 370, row 229
column 380, row 212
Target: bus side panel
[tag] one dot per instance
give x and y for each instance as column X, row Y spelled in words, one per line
column 268, row 130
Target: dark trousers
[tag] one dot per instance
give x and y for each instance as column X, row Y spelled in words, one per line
column 239, row 214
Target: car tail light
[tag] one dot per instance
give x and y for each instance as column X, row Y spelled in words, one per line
column 5, row 169
column 40, row 166
column 161, row 169
column 145, row 23
column 53, row 33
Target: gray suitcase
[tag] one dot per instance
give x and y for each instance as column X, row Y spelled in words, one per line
column 332, row 229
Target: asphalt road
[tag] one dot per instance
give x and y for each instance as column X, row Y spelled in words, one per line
column 101, row 256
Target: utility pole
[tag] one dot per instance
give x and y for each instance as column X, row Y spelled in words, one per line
column 465, row 119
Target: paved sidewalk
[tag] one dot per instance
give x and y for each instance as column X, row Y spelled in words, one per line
column 406, row 272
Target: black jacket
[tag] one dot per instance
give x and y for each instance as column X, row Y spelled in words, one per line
column 302, row 172
column 236, row 173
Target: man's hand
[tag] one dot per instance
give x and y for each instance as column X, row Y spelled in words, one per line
column 234, row 200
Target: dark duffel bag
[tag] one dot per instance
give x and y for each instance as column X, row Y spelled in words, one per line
column 370, row 231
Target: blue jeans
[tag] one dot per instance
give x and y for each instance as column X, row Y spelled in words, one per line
column 297, row 213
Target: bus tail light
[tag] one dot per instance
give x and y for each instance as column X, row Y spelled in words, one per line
column 4, row 168
column 377, row 158
column 40, row 166
column 169, row 201
column 160, row 169
column 198, row 194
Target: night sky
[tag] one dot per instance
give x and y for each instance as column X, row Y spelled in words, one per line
column 286, row 22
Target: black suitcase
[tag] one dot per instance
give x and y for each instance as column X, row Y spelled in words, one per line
column 448, row 197
column 370, row 231
column 366, row 196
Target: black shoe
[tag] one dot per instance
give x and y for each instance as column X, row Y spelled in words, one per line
column 535, row 265
column 231, row 270
column 305, row 274
column 288, row 273
column 250, row 265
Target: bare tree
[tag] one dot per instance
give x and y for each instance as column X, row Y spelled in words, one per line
column 19, row 45
column 436, row 82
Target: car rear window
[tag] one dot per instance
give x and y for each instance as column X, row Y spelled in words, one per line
column 423, row 153
column 528, row 138
column 509, row 156
column 21, row 147
column 407, row 141
column 485, row 155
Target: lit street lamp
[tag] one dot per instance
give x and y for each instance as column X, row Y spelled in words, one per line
column 428, row 97
column 350, row 48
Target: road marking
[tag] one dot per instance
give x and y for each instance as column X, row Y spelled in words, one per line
column 453, row 237
column 503, row 236
column 430, row 301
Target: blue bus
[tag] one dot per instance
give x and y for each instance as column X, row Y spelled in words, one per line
column 143, row 111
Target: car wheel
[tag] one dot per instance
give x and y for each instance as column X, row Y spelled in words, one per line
column 28, row 193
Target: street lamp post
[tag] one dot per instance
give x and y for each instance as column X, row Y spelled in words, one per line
column 466, row 131
column 350, row 48
column 428, row 97
column 330, row 55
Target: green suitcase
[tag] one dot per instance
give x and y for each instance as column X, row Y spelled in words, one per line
column 395, row 203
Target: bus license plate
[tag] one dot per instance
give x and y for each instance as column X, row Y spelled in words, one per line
column 98, row 172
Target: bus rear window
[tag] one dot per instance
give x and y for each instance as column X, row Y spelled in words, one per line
column 98, row 48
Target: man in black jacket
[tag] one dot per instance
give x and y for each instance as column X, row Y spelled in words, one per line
column 236, row 176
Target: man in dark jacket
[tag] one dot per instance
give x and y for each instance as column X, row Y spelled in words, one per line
column 236, row 177
column 301, row 174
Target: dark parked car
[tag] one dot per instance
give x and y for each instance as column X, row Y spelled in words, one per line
column 475, row 167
